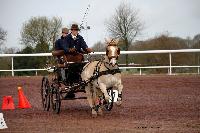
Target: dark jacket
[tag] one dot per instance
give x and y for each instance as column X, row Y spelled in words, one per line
column 79, row 43
column 59, row 44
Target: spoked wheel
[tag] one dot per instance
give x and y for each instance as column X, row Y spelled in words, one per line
column 56, row 100
column 109, row 104
column 45, row 93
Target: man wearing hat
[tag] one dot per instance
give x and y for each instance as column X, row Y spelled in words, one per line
column 59, row 46
column 75, row 42
column 62, row 41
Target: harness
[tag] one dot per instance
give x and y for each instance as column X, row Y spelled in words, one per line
column 113, row 72
column 97, row 73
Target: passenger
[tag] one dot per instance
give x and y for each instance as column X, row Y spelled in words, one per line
column 59, row 46
column 62, row 41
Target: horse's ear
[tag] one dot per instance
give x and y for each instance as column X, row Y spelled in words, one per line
column 117, row 41
column 107, row 40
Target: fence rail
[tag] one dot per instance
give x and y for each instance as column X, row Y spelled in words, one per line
column 122, row 52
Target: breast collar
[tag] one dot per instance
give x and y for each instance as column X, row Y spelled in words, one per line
column 97, row 73
column 106, row 72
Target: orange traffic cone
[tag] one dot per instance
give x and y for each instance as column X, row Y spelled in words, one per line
column 8, row 103
column 23, row 102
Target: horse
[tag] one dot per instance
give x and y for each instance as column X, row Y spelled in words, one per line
column 107, row 77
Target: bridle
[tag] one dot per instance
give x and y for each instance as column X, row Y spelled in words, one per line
column 112, row 51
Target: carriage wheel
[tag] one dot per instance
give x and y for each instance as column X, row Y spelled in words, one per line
column 45, row 93
column 55, row 99
column 108, row 105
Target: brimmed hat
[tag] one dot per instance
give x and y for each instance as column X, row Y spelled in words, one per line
column 65, row 30
column 74, row 27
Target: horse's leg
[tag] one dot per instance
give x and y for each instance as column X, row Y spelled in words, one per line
column 104, row 90
column 100, row 110
column 89, row 94
column 119, row 99
column 98, row 103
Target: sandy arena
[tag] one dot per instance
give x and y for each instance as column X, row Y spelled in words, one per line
column 165, row 104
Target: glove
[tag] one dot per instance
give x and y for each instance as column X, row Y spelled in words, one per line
column 89, row 50
column 72, row 50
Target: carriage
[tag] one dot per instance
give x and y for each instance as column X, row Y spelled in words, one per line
column 64, row 81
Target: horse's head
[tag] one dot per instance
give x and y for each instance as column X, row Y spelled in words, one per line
column 112, row 51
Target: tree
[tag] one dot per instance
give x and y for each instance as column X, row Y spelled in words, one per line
column 41, row 32
column 163, row 42
column 99, row 47
column 196, row 41
column 125, row 24
column 3, row 34
column 6, row 61
column 25, row 63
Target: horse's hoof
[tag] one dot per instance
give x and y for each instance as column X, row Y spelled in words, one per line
column 118, row 103
column 100, row 111
column 94, row 113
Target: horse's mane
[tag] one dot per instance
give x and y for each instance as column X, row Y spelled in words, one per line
column 112, row 42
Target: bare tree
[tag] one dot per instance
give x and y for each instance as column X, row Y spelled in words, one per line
column 196, row 41
column 3, row 34
column 125, row 24
column 99, row 47
column 40, row 32
column 10, row 50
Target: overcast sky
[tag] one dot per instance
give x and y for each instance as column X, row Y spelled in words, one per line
column 178, row 17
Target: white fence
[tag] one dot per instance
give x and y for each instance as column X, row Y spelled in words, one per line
column 122, row 52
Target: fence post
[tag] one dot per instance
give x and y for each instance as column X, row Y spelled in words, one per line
column 36, row 73
column 170, row 64
column 140, row 71
column 198, row 70
column 12, row 67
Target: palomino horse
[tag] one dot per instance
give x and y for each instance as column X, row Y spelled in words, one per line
column 104, row 81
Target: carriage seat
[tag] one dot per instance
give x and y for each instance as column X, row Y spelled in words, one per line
column 75, row 57
column 58, row 53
